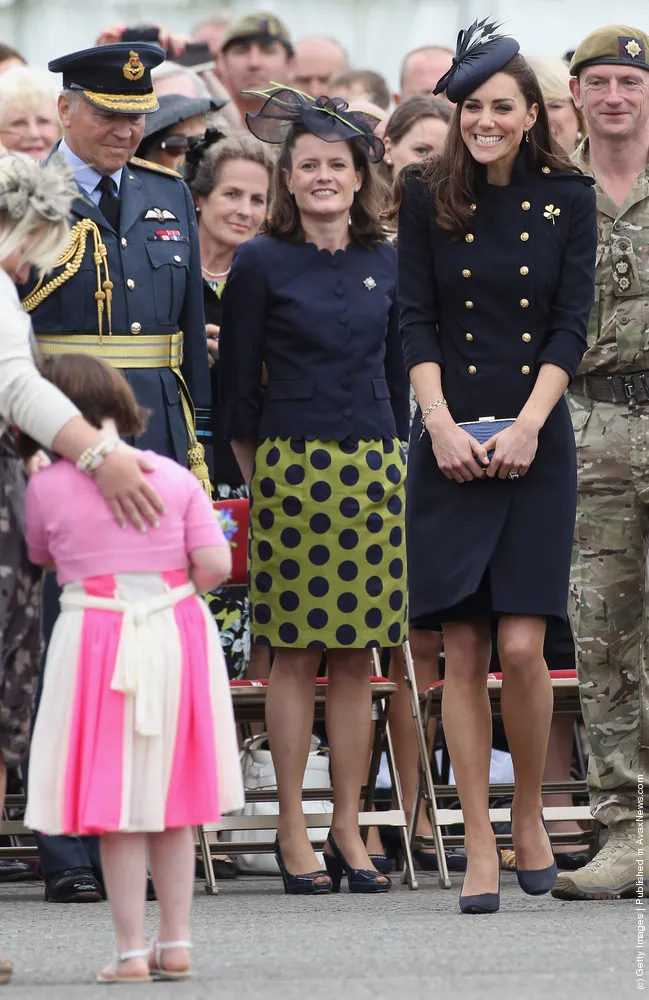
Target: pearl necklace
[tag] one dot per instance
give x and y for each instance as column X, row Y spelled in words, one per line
column 215, row 274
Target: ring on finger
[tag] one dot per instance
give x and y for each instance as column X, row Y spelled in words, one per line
column 512, row 475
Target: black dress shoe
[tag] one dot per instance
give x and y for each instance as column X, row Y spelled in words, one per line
column 73, row 885
column 17, row 871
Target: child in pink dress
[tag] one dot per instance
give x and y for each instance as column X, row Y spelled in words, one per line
column 135, row 737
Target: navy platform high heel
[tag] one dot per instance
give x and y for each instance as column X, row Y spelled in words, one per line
column 301, row 885
column 537, row 881
column 359, row 879
column 483, row 902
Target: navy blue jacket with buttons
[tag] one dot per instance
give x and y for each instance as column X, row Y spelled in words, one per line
column 325, row 327
column 491, row 307
column 157, row 289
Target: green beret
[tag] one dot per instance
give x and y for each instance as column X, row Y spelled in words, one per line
column 613, row 45
column 259, row 27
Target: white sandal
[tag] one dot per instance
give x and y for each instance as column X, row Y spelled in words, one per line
column 6, row 969
column 123, row 956
column 157, row 969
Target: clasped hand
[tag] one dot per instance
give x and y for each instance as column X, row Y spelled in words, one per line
column 462, row 458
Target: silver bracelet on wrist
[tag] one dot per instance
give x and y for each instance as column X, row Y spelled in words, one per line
column 425, row 413
column 90, row 460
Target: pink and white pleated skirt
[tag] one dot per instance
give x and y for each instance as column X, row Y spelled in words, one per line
column 135, row 730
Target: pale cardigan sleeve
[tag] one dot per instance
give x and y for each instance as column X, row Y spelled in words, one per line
column 27, row 400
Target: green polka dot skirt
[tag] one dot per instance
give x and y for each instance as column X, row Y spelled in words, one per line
column 327, row 545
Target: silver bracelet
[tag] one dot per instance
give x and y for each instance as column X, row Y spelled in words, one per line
column 427, row 411
column 90, row 460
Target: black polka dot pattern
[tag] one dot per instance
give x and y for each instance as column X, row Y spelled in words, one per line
column 327, row 552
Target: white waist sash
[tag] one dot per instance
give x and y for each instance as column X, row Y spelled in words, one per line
column 135, row 667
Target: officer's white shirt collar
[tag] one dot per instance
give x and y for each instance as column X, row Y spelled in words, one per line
column 85, row 175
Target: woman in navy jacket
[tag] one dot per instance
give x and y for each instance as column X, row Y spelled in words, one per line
column 496, row 268
column 314, row 392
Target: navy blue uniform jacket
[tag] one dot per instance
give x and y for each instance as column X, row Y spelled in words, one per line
column 166, row 296
column 490, row 307
column 325, row 326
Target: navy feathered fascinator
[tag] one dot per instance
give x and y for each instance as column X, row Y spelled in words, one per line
column 480, row 53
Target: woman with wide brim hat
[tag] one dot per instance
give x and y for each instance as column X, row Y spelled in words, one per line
column 314, row 301
column 168, row 130
column 497, row 239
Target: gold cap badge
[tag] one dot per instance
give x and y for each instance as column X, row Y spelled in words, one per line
column 134, row 68
column 633, row 48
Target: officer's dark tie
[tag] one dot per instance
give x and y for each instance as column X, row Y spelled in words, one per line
column 109, row 203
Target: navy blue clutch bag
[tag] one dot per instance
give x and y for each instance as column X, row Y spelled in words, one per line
column 486, row 427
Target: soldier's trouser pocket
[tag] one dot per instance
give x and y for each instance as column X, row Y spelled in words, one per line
column 609, row 607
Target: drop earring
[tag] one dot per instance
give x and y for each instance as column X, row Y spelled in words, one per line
column 527, row 135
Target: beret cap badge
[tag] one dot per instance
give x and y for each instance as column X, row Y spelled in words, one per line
column 134, row 68
column 632, row 47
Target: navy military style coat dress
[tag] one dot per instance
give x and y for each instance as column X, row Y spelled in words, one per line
column 490, row 307
column 154, row 265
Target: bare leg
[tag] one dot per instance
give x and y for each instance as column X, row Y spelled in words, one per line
column 123, row 862
column 557, row 768
column 466, row 715
column 425, row 647
column 527, row 712
column 349, row 717
column 289, row 718
column 172, row 859
column 259, row 663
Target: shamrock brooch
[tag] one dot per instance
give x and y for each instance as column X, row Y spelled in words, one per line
column 551, row 213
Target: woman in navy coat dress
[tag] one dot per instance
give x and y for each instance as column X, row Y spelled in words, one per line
column 313, row 390
column 496, row 279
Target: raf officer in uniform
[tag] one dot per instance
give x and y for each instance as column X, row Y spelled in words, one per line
column 609, row 403
column 128, row 289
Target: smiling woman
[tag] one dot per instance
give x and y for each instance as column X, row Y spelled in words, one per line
column 29, row 122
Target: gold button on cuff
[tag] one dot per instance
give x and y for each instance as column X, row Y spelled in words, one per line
column 526, row 206
column 124, row 241
column 473, row 370
column 466, row 273
column 130, row 284
column 525, row 237
column 136, row 328
column 178, row 258
column 527, row 337
column 525, row 370
column 469, row 304
column 546, row 170
column 525, row 270
column 469, row 237
column 524, row 303
column 468, row 336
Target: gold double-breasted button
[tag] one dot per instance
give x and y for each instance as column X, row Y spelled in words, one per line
column 524, row 303
column 136, row 328
column 469, row 237
column 526, row 206
column 527, row 337
column 469, row 304
column 546, row 170
column 525, row 270
column 525, row 237
column 473, row 206
column 466, row 273
column 525, row 370
column 130, row 284
column 468, row 336
column 473, row 370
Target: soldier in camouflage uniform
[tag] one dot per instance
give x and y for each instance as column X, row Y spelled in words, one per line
column 609, row 401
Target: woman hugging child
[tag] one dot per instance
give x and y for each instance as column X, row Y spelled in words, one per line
column 135, row 738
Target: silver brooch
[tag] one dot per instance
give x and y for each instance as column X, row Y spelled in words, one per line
column 369, row 284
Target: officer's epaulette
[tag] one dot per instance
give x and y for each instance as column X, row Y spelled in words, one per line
column 137, row 161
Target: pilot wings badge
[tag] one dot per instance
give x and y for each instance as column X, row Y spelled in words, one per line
column 159, row 214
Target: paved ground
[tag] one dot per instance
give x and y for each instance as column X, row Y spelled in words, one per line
column 254, row 943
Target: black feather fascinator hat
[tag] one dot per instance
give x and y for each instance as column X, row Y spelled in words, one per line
column 328, row 118
column 480, row 53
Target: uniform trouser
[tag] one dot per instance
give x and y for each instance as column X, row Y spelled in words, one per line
column 55, row 854
column 609, row 599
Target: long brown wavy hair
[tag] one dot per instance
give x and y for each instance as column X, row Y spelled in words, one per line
column 365, row 228
column 452, row 175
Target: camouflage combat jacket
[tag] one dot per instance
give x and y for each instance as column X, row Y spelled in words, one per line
column 618, row 329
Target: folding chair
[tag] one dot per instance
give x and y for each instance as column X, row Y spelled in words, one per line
column 565, row 688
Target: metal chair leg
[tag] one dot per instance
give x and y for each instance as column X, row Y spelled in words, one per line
column 210, row 879
column 409, row 875
column 427, row 786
